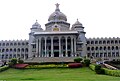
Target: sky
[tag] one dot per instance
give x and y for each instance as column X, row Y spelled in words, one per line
column 101, row 18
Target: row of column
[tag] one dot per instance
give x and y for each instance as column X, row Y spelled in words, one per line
column 39, row 51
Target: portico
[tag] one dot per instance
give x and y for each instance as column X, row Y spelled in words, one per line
column 59, row 45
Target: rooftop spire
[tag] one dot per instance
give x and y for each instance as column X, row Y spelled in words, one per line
column 57, row 7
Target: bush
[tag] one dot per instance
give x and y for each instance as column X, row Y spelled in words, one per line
column 87, row 62
column 13, row 61
column 74, row 65
column 98, row 69
column 3, row 68
column 47, row 66
column 78, row 60
column 112, row 72
column 20, row 61
column 92, row 67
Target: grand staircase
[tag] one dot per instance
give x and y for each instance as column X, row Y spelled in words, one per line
column 50, row 59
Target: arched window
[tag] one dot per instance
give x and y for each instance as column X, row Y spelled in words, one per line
column 3, row 44
column 96, row 48
column 18, row 43
column 14, row 49
column 3, row 50
column 112, row 42
column 88, row 42
column 22, row 49
column 104, row 48
column 108, row 42
column 15, row 44
column 10, row 49
column 7, row 50
column 88, row 48
column 116, row 47
column 112, row 47
column 18, row 50
column 104, row 42
column 116, row 42
column 96, row 42
column 23, row 43
column 26, row 43
column 92, row 48
column 11, row 44
column 108, row 47
column 7, row 44
column 26, row 49
column 100, row 48
column 92, row 42
column 100, row 42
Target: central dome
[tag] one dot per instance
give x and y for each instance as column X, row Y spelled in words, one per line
column 57, row 15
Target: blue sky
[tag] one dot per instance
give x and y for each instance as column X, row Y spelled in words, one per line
column 101, row 18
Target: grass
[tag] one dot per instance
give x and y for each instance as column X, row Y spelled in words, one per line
column 58, row 74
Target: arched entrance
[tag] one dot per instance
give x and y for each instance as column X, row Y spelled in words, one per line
column 56, row 46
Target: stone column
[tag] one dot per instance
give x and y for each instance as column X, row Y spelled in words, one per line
column 20, row 53
column 75, row 46
column 60, row 47
column 66, row 53
column 40, row 54
column 72, row 47
column 24, row 53
column 45, row 47
column 51, row 46
column 37, row 48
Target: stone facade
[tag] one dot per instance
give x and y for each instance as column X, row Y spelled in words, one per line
column 60, row 40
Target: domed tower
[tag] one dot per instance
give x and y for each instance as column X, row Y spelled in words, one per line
column 57, row 19
column 36, row 27
column 81, row 39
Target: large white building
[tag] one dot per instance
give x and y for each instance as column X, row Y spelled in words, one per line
column 59, row 39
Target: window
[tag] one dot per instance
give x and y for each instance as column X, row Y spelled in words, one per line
column 100, row 42
column 96, row 42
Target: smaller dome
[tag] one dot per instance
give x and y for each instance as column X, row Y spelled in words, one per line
column 77, row 23
column 36, row 25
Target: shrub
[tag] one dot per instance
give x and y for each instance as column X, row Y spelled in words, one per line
column 3, row 68
column 13, row 61
column 74, row 65
column 98, row 69
column 47, row 66
column 20, row 61
column 78, row 60
column 112, row 72
column 87, row 62
column 92, row 67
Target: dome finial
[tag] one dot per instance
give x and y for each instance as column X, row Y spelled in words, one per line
column 77, row 19
column 57, row 7
column 36, row 20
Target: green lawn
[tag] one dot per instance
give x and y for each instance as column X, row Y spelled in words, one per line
column 65, row 74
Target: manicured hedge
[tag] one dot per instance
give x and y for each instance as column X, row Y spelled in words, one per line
column 3, row 68
column 112, row 72
column 92, row 67
column 46, row 66
column 107, row 71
